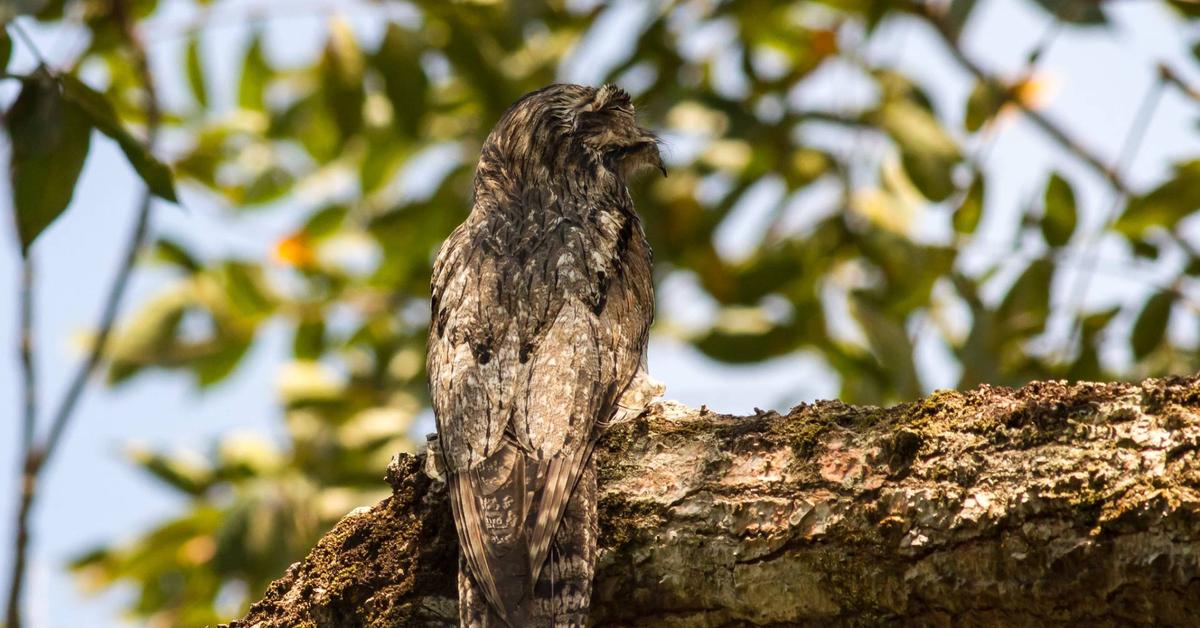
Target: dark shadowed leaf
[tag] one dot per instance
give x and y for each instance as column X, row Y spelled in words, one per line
column 1024, row 309
column 342, row 80
column 1151, row 326
column 1079, row 12
column 100, row 112
column 966, row 217
column 398, row 61
column 889, row 343
column 50, row 138
column 5, row 48
column 957, row 16
column 1058, row 222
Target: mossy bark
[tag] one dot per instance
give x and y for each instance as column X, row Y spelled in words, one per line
column 1050, row 504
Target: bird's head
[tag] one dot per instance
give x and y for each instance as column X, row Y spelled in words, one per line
column 606, row 124
column 574, row 125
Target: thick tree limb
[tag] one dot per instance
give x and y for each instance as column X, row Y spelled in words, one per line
column 1052, row 503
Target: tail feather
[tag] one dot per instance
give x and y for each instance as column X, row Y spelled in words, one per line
column 561, row 594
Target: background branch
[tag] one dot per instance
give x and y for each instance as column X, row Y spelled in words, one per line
column 1057, row 133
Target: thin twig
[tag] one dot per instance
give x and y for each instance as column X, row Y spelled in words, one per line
column 36, row 455
column 1129, row 149
column 1173, row 78
column 28, row 41
column 1047, row 126
column 29, row 401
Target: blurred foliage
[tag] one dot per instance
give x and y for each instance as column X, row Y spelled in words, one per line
column 859, row 282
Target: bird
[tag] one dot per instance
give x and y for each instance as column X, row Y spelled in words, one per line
column 541, row 306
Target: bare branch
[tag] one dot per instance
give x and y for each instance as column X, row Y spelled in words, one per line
column 36, row 455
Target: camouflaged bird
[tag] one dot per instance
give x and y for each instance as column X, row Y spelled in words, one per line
column 542, row 302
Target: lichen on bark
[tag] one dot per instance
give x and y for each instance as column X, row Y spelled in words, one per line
column 1052, row 503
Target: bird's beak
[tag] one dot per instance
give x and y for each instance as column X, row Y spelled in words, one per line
column 653, row 154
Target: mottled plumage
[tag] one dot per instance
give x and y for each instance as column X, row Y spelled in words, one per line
column 542, row 301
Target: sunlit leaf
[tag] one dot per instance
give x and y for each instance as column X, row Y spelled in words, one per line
column 928, row 153
column 50, row 138
column 966, row 217
column 246, row 288
column 183, row 475
column 1151, row 326
column 144, row 339
column 309, row 341
column 195, row 72
column 154, row 173
column 255, row 72
column 1058, row 222
column 983, row 104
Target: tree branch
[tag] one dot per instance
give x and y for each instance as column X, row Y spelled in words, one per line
column 35, row 454
column 1051, row 503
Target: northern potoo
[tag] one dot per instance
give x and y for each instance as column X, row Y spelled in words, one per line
column 542, row 301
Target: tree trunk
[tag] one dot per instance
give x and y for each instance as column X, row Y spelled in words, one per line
column 1050, row 504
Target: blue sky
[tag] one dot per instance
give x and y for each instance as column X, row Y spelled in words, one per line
column 91, row 495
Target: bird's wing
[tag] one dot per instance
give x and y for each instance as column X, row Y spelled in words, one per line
column 527, row 353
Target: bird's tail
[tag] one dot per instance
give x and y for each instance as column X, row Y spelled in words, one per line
column 562, row 595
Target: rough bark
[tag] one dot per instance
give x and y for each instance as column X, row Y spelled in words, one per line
column 1050, row 504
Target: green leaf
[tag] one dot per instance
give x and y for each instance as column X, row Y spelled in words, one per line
column 928, row 153
column 195, row 72
column 889, row 343
column 325, row 222
column 171, row 252
column 1165, row 205
column 966, row 217
column 309, row 341
column 398, row 61
column 1024, row 309
column 246, row 288
column 148, row 336
column 1151, row 326
column 342, row 80
column 957, row 16
column 180, row 474
column 100, row 112
column 1078, row 12
column 1058, row 222
column 216, row 365
column 255, row 73
column 6, row 47
column 50, row 139
column 1145, row 249
column 983, row 104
